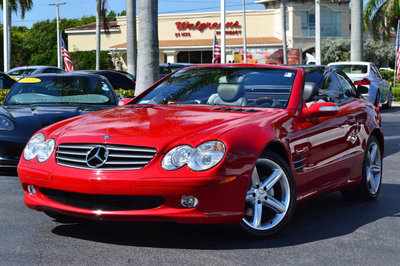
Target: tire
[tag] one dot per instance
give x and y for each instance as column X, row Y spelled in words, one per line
column 377, row 99
column 61, row 218
column 271, row 197
column 388, row 104
column 371, row 180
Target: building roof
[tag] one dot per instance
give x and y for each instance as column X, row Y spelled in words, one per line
column 92, row 26
column 209, row 42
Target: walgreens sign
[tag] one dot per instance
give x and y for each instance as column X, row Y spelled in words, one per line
column 202, row 26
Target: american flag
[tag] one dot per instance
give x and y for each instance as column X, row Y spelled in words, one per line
column 398, row 50
column 216, row 51
column 67, row 60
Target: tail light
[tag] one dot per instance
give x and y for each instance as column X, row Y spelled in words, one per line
column 364, row 81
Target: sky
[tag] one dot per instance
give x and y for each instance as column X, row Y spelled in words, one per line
column 77, row 9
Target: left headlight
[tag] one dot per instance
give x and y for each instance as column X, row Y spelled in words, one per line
column 204, row 157
column 40, row 147
column 6, row 124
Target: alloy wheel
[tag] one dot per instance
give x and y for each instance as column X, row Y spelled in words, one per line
column 373, row 168
column 268, row 197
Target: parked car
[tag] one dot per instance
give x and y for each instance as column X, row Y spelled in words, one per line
column 167, row 68
column 118, row 80
column 36, row 102
column 212, row 144
column 24, row 71
column 6, row 81
column 368, row 75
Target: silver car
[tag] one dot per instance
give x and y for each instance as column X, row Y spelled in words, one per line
column 368, row 75
column 21, row 72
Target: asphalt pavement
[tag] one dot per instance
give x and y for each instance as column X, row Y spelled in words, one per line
column 325, row 231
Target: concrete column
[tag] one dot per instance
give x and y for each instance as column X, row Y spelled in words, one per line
column 356, row 30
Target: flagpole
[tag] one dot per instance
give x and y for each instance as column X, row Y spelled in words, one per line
column 397, row 55
column 244, row 33
column 223, row 59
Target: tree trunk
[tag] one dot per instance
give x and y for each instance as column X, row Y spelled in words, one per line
column 148, row 52
column 131, row 45
column 98, row 36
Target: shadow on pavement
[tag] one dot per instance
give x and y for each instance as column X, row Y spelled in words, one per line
column 325, row 217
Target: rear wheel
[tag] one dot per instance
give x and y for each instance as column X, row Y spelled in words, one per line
column 271, row 197
column 388, row 104
column 371, row 173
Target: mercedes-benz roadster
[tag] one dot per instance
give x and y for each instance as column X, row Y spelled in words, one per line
column 211, row 144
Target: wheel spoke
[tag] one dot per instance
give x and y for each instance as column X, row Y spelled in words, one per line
column 371, row 181
column 250, row 195
column 272, row 179
column 373, row 153
column 375, row 169
column 275, row 204
column 255, row 179
column 257, row 214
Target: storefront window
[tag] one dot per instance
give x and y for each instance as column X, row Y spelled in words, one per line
column 195, row 57
column 330, row 22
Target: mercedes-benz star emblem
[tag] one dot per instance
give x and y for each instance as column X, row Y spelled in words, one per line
column 97, row 156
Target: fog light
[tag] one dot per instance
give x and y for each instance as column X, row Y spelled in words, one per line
column 31, row 190
column 189, row 201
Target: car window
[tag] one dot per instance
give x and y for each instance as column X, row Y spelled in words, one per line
column 331, row 90
column 119, row 81
column 52, row 70
column 348, row 89
column 376, row 71
column 352, row 69
column 251, row 87
column 61, row 90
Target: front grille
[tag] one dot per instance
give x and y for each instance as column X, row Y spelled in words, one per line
column 120, row 157
column 103, row 202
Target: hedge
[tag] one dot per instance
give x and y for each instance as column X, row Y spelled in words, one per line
column 3, row 93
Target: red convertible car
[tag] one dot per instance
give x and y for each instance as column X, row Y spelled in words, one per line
column 211, row 144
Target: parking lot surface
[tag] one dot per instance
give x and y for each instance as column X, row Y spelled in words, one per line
column 325, row 231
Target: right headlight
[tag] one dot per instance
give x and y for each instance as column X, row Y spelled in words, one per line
column 204, row 157
column 40, row 147
column 5, row 123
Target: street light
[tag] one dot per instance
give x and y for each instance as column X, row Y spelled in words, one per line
column 58, row 33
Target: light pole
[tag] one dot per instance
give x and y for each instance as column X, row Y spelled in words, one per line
column 58, row 33
column 6, row 36
column 283, row 17
column 223, row 56
column 244, row 33
column 317, row 32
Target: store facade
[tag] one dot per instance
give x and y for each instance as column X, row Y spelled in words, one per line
column 188, row 38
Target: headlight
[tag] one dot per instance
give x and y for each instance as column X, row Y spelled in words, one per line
column 204, row 157
column 6, row 124
column 39, row 147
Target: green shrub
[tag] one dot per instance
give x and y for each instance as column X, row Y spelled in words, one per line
column 125, row 93
column 396, row 93
column 3, row 94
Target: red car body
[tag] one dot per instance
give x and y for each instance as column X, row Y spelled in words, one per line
column 324, row 153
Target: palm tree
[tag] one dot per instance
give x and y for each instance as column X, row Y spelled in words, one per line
column 380, row 16
column 100, row 16
column 131, row 43
column 148, row 51
column 14, row 5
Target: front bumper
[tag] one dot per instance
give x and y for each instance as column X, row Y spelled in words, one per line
column 10, row 153
column 221, row 199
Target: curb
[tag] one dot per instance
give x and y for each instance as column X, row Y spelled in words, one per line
column 397, row 104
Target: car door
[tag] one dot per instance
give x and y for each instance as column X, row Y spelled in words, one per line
column 332, row 139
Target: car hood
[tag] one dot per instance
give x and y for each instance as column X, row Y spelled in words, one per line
column 155, row 126
column 29, row 119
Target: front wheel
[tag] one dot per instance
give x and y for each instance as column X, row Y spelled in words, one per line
column 271, row 197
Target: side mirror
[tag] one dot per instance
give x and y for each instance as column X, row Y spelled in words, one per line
column 362, row 90
column 320, row 110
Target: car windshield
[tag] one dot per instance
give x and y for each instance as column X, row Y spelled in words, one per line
column 61, row 90
column 352, row 69
column 232, row 86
